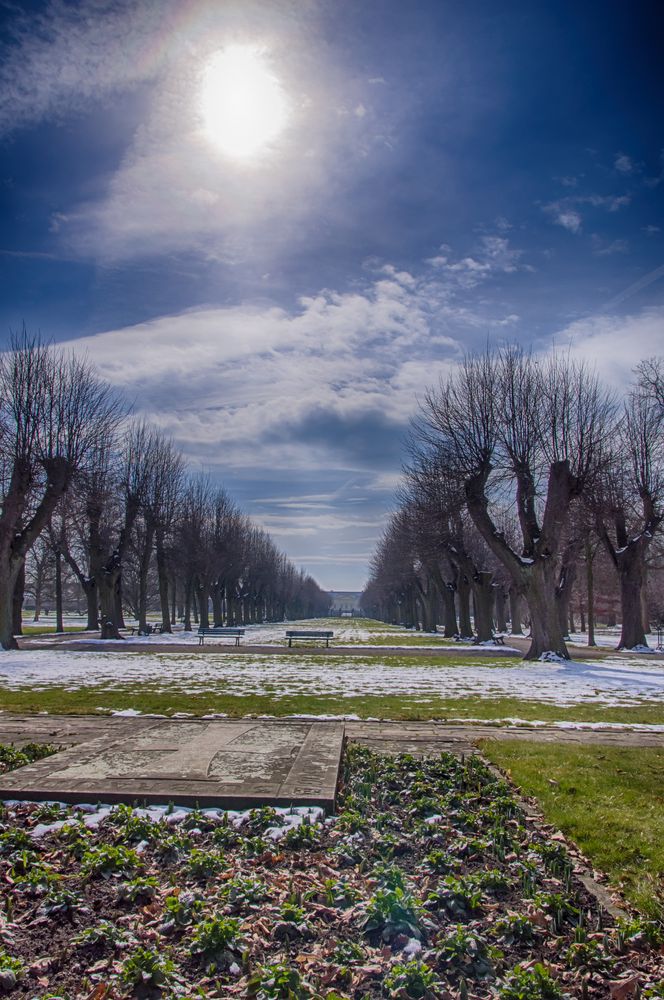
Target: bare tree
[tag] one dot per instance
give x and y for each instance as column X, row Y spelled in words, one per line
column 53, row 410
column 533, row 433
column 630, row 507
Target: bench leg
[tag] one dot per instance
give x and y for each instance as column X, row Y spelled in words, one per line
column 200, row 640
column 290, row 643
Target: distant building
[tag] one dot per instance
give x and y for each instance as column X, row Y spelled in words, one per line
column 345, row 603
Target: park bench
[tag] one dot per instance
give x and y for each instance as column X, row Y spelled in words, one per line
column 155, row 628
column 308, row 634
column 232, row 633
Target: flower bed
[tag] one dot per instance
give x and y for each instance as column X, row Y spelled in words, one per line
column 429, row 883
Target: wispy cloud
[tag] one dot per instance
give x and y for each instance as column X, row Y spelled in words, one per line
column 566, row 212
column 624, row 164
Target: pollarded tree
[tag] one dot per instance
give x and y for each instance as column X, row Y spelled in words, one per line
column 515, row 429
column 53, row 413
column 630, row 508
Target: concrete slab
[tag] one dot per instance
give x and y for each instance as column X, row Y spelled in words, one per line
column 230, row 764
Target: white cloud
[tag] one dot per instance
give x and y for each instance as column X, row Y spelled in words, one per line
column 615, row 344
column 623, row 164
column 566, row 212
column 566, row 217
column 606, row 248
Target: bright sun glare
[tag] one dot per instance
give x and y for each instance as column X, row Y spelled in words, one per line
column 243, row 105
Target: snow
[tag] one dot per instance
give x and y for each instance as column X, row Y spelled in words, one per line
column 290, row 817
column 620, row 680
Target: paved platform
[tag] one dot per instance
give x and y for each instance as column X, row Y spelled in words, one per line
column 236, row 763
column 210, row 763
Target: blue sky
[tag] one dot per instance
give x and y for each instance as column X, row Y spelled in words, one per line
column 446, row 172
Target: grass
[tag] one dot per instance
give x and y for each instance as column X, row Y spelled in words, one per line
column 609, row 800
column 38, row 629
column 89, row 699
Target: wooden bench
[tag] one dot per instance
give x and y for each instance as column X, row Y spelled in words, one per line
column 150, row 629
column 232, row 633
column 308, row 634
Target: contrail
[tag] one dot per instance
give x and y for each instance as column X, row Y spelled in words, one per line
column 643, row 282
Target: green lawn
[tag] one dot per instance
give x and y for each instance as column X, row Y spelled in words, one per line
column 143, row 697
column 609, row 800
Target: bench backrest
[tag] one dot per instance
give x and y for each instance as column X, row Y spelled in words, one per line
column 308, row 634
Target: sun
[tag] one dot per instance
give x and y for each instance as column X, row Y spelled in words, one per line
column 243, row 105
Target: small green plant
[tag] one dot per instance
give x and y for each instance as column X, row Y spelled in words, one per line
column 60, row 904
column 306, row 834
column 587, row 952
column 204, row 865
column 514, row 927
column 638, row 930
column 217, row 942
column 36, row 880
column 390, row 912
column 11, row 970
column 109, row 861
column 106, row 932
column 138, row 890
column 255, row 846
column 441, row 862
column 76, row 837
column 146, row 969
column 389, row 875
column 347, row 952
column 413, row 979
column 278, row 981
column 239, row 892
column 530, row 984
column 335, row 892
column 559, row 907
column 173, row 847
column 465, row 953
column 261, row 819
column 13, row 841
column 291, row 912
column 460, row 897
column 50, row 812
column 180, row 910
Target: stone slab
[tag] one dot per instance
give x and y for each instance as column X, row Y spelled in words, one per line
column 229, row 764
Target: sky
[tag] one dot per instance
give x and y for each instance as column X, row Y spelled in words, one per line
column 274, row 224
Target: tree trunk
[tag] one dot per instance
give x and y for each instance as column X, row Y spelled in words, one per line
column 217, row 610
column 515, row 611
column 590, row 587
column 92, row 599
column 546, row 634
column 108, row 600
column 449, row 611
column 17, row 601
column 501, row 620
column 463, row 596
column 143, row 571
column 483, row 600
column 582, row 616
column 38, row 598
column 187, row 604
column 9, row 570
column 59, row 621
column 631, row 572
column 202, row 595
column 162, row 577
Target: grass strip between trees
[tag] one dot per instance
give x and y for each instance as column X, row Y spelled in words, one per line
column 609, row 800
column 165, row 701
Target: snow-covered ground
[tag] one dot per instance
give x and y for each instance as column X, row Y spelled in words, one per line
column 618, row 681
